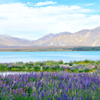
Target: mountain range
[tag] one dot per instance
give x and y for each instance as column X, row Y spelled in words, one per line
column 85, row 37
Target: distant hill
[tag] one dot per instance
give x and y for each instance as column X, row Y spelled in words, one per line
column 84, row 37
column 6, row 40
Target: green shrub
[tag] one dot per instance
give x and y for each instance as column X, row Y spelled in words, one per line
column 46, row 67
column 80, row 71
column 55, row 67
column 65, row 63
column 87, row 61
column 60, row 62
column 70, row 64
column 41, row 64
column 36, row 67
column 86, row 70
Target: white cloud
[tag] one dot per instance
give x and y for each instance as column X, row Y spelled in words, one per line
column 28, row 3
column 45, row 3
column 33, row 22
column 89, row 4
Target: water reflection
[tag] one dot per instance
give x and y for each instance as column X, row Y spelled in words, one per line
column 12, row 73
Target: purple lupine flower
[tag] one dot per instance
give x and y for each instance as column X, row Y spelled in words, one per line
column 24, row 95
column 94, row 87
column 38, row 97
column 45, row 90
column 53, row 74
column 6, row 64
column 74, row 99
column 14, row 91
column 87, row 98
column 63, row 67
column 27, row 64
column 58, row 98
column 10, row 97
column 9, row 66
column 72, row 68
column 1, row 82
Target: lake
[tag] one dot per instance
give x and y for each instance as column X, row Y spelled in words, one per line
column 66, row 56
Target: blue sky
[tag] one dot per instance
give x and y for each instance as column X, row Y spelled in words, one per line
column 32, row 19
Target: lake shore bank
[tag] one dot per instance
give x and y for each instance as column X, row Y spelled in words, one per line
column 35, row 49
column 52, row 66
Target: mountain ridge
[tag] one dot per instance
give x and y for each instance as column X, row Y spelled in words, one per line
column 85, row 37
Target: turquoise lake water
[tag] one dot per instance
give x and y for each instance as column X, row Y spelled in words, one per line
column 66, row 56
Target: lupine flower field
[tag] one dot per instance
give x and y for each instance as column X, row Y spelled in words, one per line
column 67, row 84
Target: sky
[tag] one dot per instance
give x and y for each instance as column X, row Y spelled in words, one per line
column 32, row 19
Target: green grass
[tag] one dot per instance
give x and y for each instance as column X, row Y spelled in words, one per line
column 51, row 66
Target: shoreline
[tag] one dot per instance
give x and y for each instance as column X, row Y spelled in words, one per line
column 38, row 49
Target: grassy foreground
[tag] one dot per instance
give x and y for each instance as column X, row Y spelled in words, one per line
column 70, row 81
